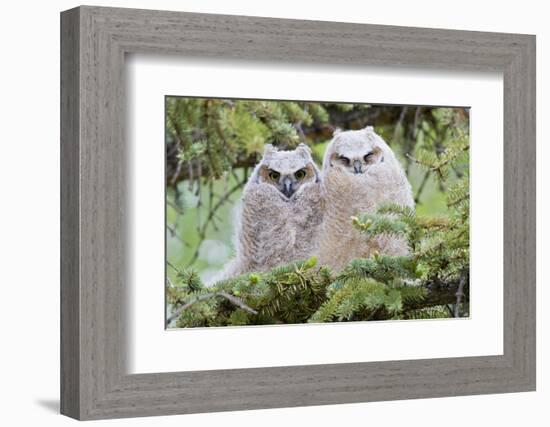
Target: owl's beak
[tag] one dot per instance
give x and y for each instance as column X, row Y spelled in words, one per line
column 287, row 187
column 357, row 166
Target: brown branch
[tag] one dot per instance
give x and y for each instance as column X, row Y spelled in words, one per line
column 175, row 207
column 413, row 133
column 202, row 230
column 174, row 233
column 231, row 298
column 236, row 301
column 399, row 123
column 421, row 187
column 440, row 293
column 186, row 172
column 459, row 294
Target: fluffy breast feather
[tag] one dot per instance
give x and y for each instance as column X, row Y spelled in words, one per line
column 348, row 195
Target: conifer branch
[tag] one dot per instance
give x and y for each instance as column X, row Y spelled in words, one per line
column 231, row 298
column 208, row 139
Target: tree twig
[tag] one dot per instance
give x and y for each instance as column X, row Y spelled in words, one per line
column 231, row 298
column 439, row 293
column 202, row 230
column 459, row 294
column 169, row 264
column 399, row 123
column 236, row 301
column 421, row 187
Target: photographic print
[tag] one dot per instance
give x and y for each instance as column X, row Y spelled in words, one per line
column 293, row 212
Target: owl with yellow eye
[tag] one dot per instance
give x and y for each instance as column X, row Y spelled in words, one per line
column 281, row 212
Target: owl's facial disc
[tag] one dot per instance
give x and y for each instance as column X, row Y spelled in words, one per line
column 356, row 162
column 287, row 182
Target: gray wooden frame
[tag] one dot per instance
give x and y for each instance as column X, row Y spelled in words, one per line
column 94, row 382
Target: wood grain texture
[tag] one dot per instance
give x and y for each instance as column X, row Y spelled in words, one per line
column 70, row 292
column 95, row 238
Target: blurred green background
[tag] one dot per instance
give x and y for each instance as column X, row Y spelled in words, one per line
column 212, row 146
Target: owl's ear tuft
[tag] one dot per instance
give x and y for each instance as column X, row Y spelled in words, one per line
column 368, row 129
column 303, row 150
column 269, row 150
column 369, row 133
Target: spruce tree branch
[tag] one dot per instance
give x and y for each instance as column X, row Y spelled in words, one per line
column 460, row 200
column 440, row 293
column 440, row 164
column 231, row 298
column 236, row 301
column 185, row 306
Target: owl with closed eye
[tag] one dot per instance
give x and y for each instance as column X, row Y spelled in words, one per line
column 360, row 172
column 281, row 212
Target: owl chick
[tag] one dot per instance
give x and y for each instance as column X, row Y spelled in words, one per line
column 281, row 212
column 360, row 172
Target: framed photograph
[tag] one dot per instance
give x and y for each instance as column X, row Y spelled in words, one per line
column 262, row 213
